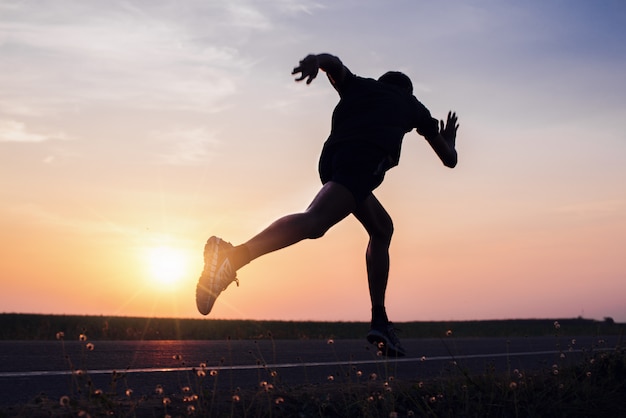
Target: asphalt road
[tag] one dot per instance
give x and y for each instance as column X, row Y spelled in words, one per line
column 56, row 368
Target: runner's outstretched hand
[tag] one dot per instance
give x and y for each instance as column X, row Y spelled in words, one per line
column 448, row 130
column 308, row 68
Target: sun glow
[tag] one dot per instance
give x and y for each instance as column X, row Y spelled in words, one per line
column 167, row 265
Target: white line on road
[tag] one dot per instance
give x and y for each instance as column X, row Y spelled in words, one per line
column 286, row 365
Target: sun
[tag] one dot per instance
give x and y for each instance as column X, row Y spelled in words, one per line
column 167, row 265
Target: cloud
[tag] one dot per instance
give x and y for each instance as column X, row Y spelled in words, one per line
column 245, row 15
column 186, row 146
column 141, row 59
column 98, row 225
column 65, row 56
column 13, row 131
column 592, row 209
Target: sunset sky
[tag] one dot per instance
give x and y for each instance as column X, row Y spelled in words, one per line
column 131, row 131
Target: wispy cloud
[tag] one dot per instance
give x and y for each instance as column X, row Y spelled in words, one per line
column 97, row 225
column 13, row 131
column 592, row 209
column 186, row 146
column 122, row 55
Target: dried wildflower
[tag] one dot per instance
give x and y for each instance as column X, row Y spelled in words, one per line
column 279, row 400
column 449, row 333
column 513, row 385
column 90, row 346
column 423, row 358
column 60, row 335
column 97, row 392
column 191, row 410
column 190, row 398
column 266, row 386
column 201, row 373
column 420, row 385
column 177, row 357
column 359, row 373
column 82, row 337
column 432, row 399
column 158, row 390
column 330, row 341
column 330, row 378
column 213, row 372
column 129, row 392
column 236, row 398
column 186, row 389
column 167, row 401
column 202, row 365
column 588, row 374
column 273, row 373
column 373, row 376
column 64, row 400
column 557, row 325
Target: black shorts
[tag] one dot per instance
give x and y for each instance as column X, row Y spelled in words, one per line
column 360, row 167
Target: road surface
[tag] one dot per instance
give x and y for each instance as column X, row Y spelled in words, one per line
column 28, row 368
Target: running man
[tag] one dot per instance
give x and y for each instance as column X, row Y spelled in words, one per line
column 368, row 125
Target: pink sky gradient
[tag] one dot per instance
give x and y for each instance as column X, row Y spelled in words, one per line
column 135, row 126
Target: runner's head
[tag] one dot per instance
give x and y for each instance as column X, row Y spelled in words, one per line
column 397, row 79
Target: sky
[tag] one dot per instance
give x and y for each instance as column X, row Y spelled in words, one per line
column 131, row 131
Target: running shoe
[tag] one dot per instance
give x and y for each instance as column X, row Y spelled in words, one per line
column 384, row 337
column 217, row 275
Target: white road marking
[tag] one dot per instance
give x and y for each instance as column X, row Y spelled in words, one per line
column 288, row 365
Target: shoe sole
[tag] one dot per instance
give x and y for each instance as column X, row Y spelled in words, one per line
column 206, row 304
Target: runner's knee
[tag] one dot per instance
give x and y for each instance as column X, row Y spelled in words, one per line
column 317, row 225
column 388, row 230
column 383, row 230
column 317, row 231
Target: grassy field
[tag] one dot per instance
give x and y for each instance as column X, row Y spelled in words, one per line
column 45, row 327
column 594, row 386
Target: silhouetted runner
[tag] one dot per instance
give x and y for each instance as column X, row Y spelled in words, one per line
column 368, row 125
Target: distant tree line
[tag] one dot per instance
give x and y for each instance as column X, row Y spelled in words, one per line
column 45, row 327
